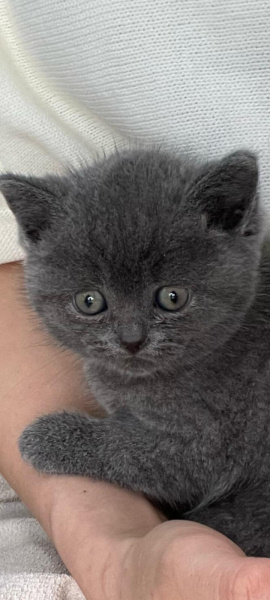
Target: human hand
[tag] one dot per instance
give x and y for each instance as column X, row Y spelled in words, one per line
column 118, row 548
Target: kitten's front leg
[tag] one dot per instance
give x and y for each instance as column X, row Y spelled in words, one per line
column 119, row 449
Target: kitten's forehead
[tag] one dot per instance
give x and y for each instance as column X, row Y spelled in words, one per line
column 143, row 194
column 150, row 175
column 137, row 225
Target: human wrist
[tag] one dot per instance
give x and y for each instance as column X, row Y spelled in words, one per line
column 110, row 511
column 94, row 526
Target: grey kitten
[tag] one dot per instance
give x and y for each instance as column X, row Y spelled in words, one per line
column 154, row 269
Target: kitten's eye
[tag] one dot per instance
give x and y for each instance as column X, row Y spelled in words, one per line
column 172, row 298
column 91, row 302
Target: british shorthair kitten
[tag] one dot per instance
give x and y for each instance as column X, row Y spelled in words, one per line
column 155, row 269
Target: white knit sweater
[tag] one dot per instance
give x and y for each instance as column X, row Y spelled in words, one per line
column 79, row 77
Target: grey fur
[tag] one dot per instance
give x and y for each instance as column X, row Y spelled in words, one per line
column 188, row 414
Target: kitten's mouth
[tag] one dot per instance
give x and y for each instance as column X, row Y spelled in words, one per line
column 137, row 364
column 140, row 363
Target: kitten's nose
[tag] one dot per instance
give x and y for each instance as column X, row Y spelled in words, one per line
column 132, row 337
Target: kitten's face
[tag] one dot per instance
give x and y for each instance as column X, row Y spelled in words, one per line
column 133, row 270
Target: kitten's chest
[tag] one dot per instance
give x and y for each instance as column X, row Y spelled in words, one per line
column 215, row 424
column 225, row 420
column 218, row 424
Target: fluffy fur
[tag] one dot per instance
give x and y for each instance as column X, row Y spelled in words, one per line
column 188, row 413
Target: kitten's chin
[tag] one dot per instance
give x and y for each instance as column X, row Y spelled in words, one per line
column 138, row 367
column 134, row 366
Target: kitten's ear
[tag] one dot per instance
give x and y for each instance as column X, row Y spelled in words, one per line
column 33, row 201
column 227, row 193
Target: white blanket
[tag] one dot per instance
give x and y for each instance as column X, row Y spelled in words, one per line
column 30, row 568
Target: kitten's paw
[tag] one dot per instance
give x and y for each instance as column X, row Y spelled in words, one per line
column 55, row 443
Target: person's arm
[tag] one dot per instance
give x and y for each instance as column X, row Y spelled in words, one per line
column 36, row 378
column 112, row 541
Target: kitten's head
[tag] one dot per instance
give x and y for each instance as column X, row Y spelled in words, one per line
column 143, row 262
